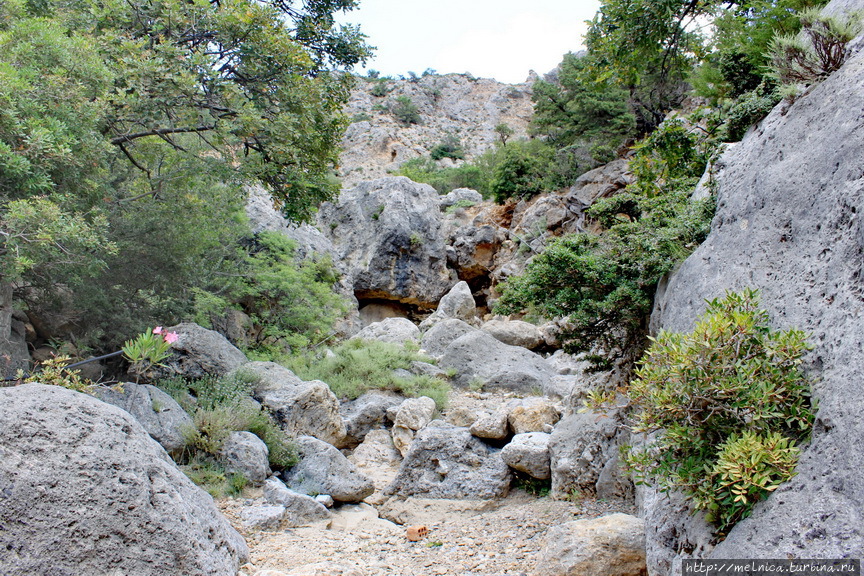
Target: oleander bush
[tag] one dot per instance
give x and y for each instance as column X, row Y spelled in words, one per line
column 724, row 407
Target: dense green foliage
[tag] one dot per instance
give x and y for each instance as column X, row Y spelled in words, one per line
column 604, row 283
column 450, row 147
column 581, row 109
column 291, row 303
column 127, row 133
column 358, row 366
column 728, row 403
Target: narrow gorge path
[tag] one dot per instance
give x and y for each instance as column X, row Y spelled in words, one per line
column 493, row 538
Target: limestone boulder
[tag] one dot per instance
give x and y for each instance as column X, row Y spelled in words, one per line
column 446, row 461
column 84, row 487
column 612, row 545
column 458, row 303
column 388, row 233
column 301, row 408
column 156, row 411
column 491, row 426
column 579, row 448
column 415, row 413
column 198, row 353
column 366, row 413
column 442, row 334
column 393, row 330
column 244, row 453
column 478, row 358
column 298, row 509
column 533, row 414
column 325, row 470
column 515, row 333
column 460, row 195
column 528, row 453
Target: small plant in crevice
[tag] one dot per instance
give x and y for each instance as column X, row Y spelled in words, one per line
column 726, row 406
column 53, row 372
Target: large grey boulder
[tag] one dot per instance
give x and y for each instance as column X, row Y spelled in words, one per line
column 387, row 231
column 156, row 411
column 458, row 303
column 301, row 408
column 392, row 330
column 199, row 352
column 528, row 453
column 446, row 461
column 84, row 489
column 611, row 545
column 477, row 357
column 244, row 453
column 788, row 222
column 298, row 509
column 442, row 334
column 579, row 448
column 533, row 414
column 515, row 333
column 366, row 413
column 324, row 470
column 461, row 195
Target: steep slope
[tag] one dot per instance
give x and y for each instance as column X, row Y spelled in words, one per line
column 788, row 222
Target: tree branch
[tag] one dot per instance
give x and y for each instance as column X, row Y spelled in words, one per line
column 159, row 132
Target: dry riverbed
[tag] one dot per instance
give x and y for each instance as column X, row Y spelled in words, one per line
column 477, row 538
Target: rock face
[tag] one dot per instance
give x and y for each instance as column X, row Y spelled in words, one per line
column 324, row 470
column 387, row 231
column 87, row 491
column 199, row 352
column 14, row 355
column 611, row 545
column 788, row 222
column 155, row 410
column 447, row 462
column 366, row 413
column 300, row 408
column 448, row 104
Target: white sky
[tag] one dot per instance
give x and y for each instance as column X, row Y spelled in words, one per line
column 501, row 39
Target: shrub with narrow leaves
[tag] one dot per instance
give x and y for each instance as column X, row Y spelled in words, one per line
column 726, row 406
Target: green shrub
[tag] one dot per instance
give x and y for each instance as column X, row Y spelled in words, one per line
column 220, row 406
column 605, row 283
column 213, row 478
column 380, row 87
column 450, row 147
column 728, row 403
column 404, row 110
column 358, row 366
column 749, row 109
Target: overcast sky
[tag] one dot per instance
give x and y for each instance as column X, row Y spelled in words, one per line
column 501, row 39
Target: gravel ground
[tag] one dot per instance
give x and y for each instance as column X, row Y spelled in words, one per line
column 505, row 540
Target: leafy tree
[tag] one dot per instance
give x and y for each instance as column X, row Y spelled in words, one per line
column 134, row 126
column 580, row 108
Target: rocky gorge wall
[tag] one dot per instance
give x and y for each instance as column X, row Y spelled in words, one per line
column 788, row 222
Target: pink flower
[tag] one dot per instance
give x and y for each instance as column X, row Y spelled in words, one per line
column 171, row 337
column 157, row 330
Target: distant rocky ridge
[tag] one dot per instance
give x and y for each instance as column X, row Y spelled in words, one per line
column 452, row 104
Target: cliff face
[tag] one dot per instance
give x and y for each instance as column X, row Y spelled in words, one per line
column 788, row 222
column 453, row 104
